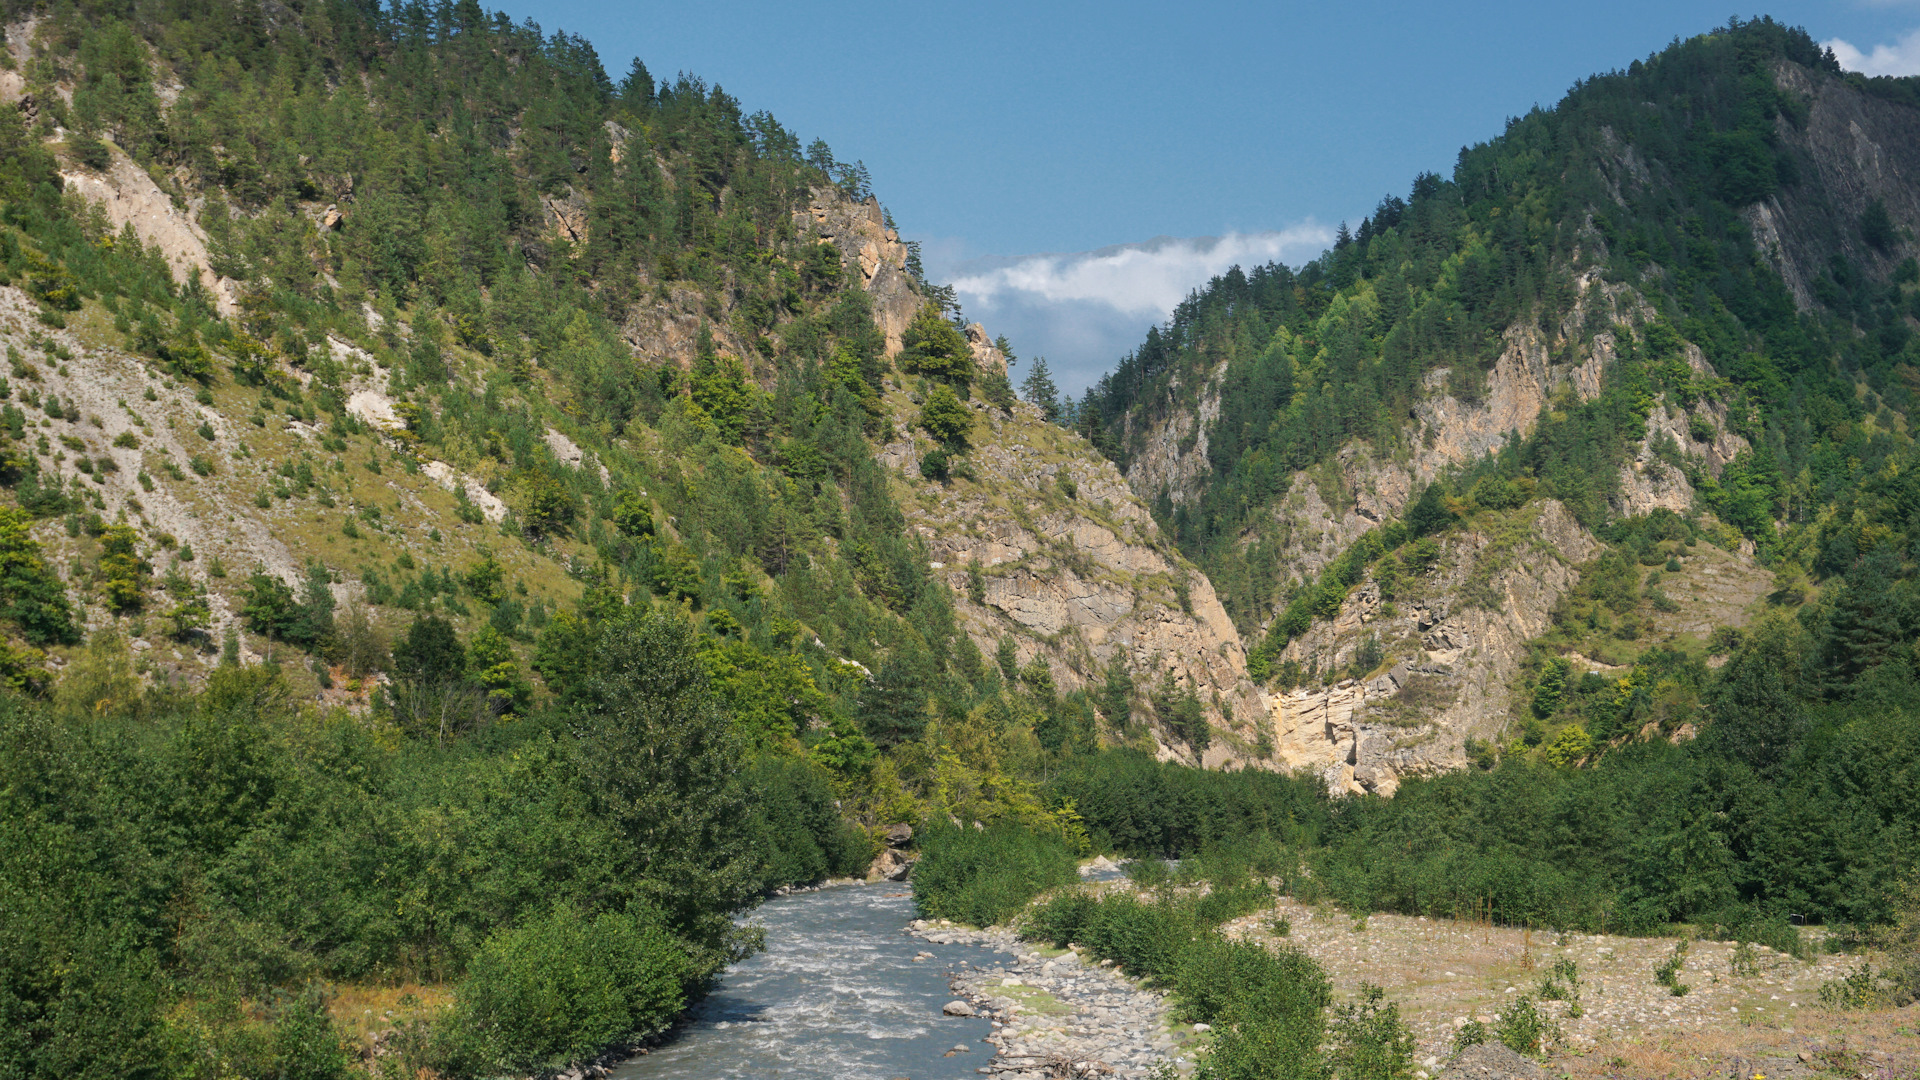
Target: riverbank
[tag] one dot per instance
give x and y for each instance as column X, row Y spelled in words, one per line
column 1744, row 1013
column 1056, row 1013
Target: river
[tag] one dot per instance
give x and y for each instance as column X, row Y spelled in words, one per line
column 836, row 995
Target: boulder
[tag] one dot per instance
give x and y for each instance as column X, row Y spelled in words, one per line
column 1491, row 1061
column 957, row 1008
column 890, row 865
column 899, row 835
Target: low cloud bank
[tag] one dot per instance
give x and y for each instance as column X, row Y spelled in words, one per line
column 1900, row 58
column 1084, row 310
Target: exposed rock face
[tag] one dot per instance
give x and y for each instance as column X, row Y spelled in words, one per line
column 667, row 329
column 985, row 353
column 890, row 865
column 1648, row 482
column 1075, row 578
column 1452, row 643
column 129, row 196
column 1853, row 149
column 1175, row 457
column 1447, row 430
column 566, row 215
column 867, row 245
column 453, row 480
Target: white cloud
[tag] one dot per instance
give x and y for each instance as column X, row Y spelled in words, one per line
column 1900, row 58
column 1135, row 279
column 1085, row 310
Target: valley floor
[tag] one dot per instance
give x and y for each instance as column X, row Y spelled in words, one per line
column 1443, row 973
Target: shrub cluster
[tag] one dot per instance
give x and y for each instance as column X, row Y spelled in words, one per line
column 986, row 876
column 564, row 985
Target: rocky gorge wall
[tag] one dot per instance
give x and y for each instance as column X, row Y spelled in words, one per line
column 1452, row 654
column 1451, row 641
column 1852, row 149
column 1073, row 568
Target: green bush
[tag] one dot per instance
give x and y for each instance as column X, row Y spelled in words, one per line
column 986, row 876
column 562, row 987
column 1525, row 1029
column 1745, row 923
column 1370, row 1041
column 802, row 838
column 306, row 1045
column 1149, row 872
column 1145, row 939
column 1668, row 973
column 1218, row 980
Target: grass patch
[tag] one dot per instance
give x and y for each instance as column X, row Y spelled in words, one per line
column 1034, row 1000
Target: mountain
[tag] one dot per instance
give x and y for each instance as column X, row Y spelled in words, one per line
column 472, row 527
column 1675, row 312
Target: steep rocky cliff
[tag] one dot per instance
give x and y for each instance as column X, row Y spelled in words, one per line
column 1851, row 150
column 1039, row 537
column 1045, row 543
column 870, row 251
column 1439, row 655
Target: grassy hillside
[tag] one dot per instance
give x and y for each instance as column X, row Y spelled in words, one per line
column 446, row 561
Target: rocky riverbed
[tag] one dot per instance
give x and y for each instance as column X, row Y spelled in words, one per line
column 1057, row 1013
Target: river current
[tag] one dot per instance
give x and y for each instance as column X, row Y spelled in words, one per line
column 837, row 995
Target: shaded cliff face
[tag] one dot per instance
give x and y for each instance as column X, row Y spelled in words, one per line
column 1174, row 459
column 1450, row 643
column 1853, row 150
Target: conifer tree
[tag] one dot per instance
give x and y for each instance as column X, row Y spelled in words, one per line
column 1039, row 390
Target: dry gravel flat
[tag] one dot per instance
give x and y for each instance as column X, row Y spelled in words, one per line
column 1443, row 973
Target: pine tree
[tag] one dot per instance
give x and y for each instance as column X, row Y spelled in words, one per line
column 1869, row 621
column 1039, row 390
column 892, row 707
column 1116, row 693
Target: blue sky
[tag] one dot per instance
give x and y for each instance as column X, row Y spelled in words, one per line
column 999, row 130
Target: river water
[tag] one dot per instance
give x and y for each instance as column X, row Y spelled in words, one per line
column 836, row 995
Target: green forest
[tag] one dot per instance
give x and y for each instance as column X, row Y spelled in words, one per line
column 1340, row 349
column 535, row 843
column 725, row 668
column 1428, row 291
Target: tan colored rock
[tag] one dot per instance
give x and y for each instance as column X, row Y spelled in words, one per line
column 453, row 480
column 1450, row 658
column 1076, row 580
column 859, row 231
column 667, row 330
column 1175, row 457
column 566, row 215
column 890, row 865
column 128, row 196
column 985, row 353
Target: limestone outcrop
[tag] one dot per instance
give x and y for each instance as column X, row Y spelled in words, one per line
column 1070, row 564
column 870, row 248
column 665, row 327
column 129, row 197
column 1447, row 646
